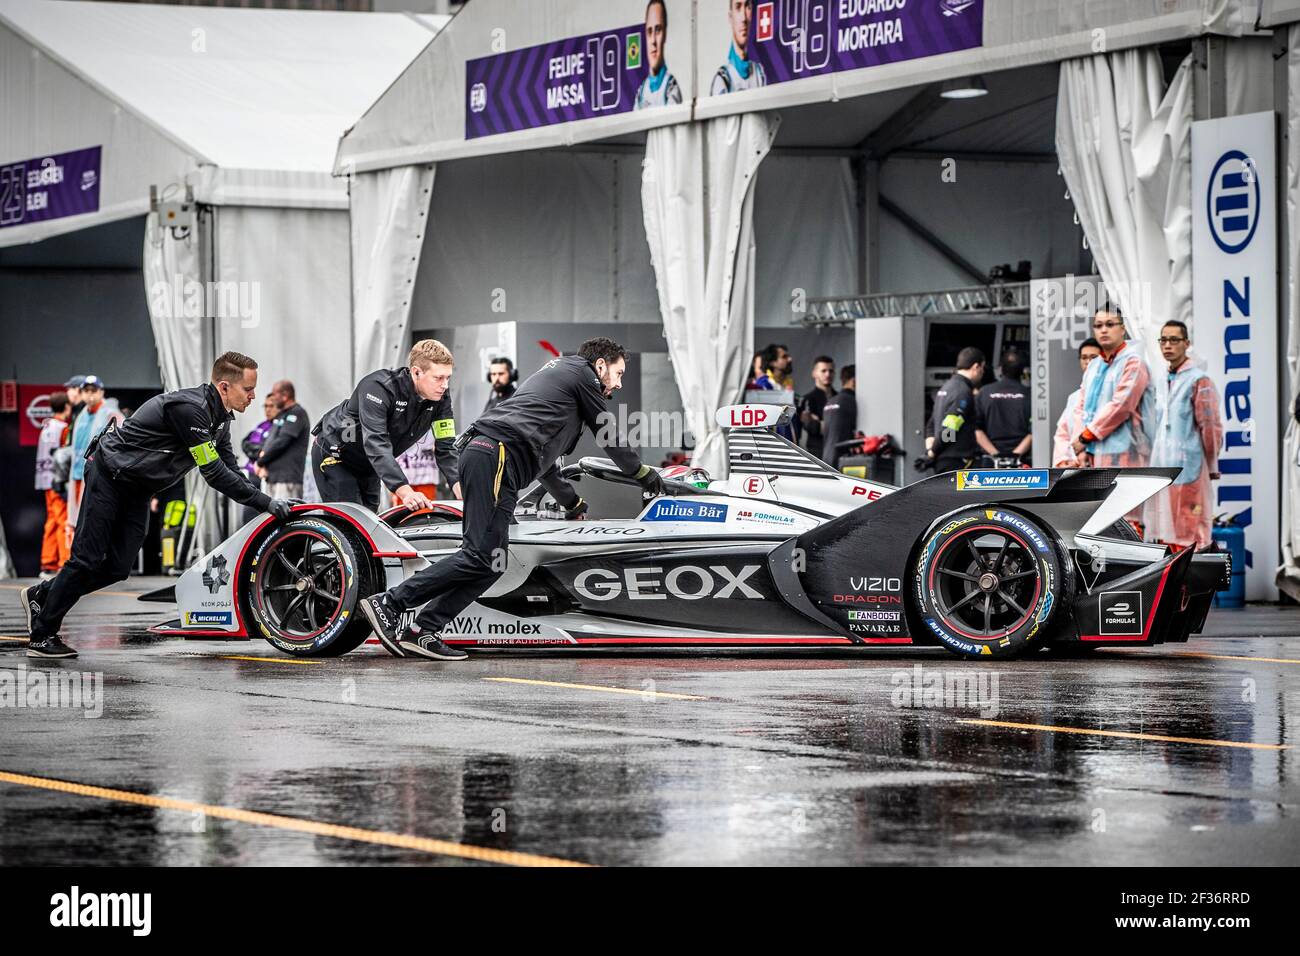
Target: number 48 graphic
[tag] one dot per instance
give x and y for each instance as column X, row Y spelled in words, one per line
column 805, row 27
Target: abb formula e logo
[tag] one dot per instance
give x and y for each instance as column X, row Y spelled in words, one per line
column 688, row 582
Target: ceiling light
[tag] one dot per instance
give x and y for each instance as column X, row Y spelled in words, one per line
column 964, row 89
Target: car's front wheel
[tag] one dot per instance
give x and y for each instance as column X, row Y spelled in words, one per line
column 990, row 582
column 303, row 583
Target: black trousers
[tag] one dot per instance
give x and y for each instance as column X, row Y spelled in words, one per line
column 490, row 479
column 111, row 527
column 337, row 482
column 946, row 463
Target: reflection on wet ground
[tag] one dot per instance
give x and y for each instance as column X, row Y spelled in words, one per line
column 896, row 757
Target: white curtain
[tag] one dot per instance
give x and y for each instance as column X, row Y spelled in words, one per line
column 389, row 211
column 1124, row 144
column 176, row 305
column 1288, row 576
column 697, row 195
column 6, row 563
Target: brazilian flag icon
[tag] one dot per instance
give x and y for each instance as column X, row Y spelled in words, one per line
column 633, row 59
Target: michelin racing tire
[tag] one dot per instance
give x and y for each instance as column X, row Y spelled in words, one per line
column 991, row 582
column 303, row 584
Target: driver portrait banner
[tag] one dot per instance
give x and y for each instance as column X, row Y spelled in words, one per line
column 581, row 77
column 49, row 187
column 793, row 39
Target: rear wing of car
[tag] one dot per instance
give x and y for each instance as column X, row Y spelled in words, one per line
column 751, row 416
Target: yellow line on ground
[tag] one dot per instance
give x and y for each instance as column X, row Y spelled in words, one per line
column 269, row 660
column 403, row 841
column 1129, row 735
column 598, row 687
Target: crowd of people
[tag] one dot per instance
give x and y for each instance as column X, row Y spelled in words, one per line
column 824, row 419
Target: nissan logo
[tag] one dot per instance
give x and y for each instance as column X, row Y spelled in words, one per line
column 1232, row 201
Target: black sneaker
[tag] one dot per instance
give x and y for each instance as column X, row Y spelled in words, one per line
column 32, row 597
column 49, row 647
column 386, row 620
column 431, row 646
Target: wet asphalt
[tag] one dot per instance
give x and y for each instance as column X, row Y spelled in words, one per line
column 1180, row 754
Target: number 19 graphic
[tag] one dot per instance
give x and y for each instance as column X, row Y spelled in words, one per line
column 603, row 65
column 805, row 27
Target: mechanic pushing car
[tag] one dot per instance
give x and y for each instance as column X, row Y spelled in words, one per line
column 126, row 466
column 501, row 454
column 356, row 443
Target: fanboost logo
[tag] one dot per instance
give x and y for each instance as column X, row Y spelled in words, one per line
column 1232, row 201
column 953, row 7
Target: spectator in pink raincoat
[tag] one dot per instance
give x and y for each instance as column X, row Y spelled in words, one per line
column 1069, row 424
column 1189, row 433
column 1115, row 404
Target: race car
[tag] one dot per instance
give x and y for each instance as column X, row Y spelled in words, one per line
column 783, row 552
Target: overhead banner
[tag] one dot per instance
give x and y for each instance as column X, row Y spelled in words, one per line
column 1234, row 309
column 591, row 76
column 774, row 41
column 49, row 187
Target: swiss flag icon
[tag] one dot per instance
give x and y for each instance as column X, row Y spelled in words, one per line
column 765, row 21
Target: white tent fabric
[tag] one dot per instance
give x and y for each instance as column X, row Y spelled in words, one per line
column 266, row 93
column 390, row 209
column 1288, row 575
column 282, row 266
column 1124, row 143
column 698, row 204
column 176, row 304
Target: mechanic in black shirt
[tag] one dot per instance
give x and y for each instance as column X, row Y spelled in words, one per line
column 950, row 434
column 502, row 376
column 126, row 466
column 284, row 452
column 812, row 407
column 1002, row 425
column 840, row 417
column 357, row 442
column 500, row 455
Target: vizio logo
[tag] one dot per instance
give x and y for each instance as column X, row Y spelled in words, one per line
column 1232, row 201
column 1120, row 613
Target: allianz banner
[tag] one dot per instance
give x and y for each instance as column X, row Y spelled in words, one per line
column 1234, row 310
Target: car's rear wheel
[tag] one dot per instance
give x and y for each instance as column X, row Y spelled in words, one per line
column 303, row 584
column 990, row 582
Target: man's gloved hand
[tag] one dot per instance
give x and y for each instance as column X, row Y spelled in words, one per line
column 282, row 507
column 651, row 482
column 577, row 512
column 923, row 463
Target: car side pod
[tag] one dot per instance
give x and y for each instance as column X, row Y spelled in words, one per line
column 1161, row 603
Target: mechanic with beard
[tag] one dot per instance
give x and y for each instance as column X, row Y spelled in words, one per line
column 126, row 465
column 357, row 442
column 950, row 435
column 502, row 453
column 502, row 377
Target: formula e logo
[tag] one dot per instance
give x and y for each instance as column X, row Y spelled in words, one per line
column 951, row 8
column 1120, row 613
column 1232, row 201
column 663, row 510
column 1015, row 480
column 215, row 576
column 688, row 582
